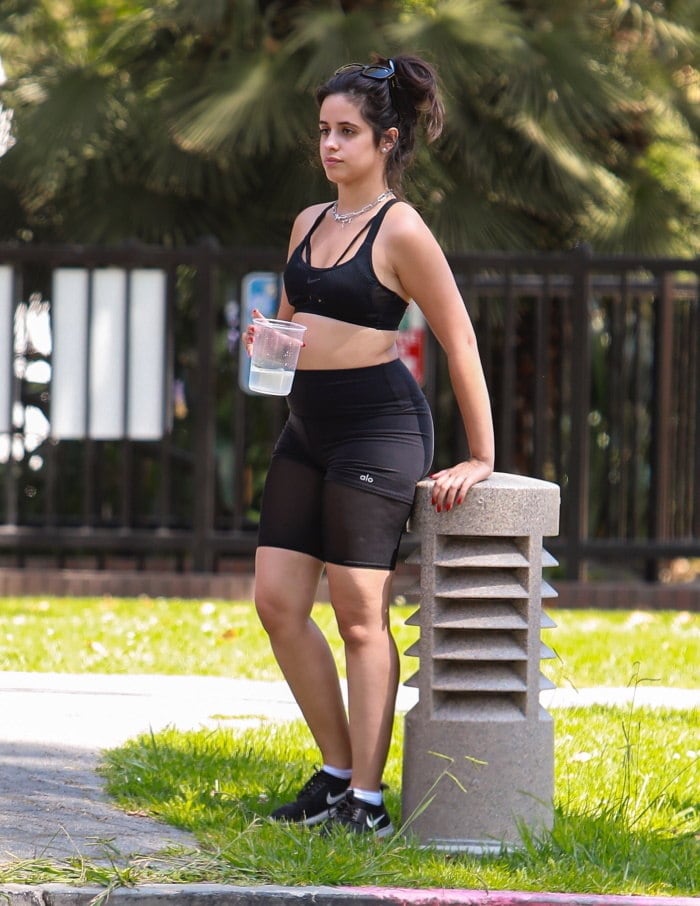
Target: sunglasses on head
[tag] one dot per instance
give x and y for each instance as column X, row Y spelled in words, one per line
column 372, row 71
column 382, row 73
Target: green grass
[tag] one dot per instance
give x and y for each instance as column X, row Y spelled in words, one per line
column 217, row 638
column 626, row 809
column 627, row 788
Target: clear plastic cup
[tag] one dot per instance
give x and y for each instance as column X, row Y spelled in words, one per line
column 276, row 346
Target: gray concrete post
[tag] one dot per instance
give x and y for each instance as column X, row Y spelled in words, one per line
column 478, row 747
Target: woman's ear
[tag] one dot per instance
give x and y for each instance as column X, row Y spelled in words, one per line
column 388, row 140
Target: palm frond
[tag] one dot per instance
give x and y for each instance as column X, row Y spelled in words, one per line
column 466, row 218
column 646, row 224
column 323, row 40
column 565, row 121
column 647, row 22
column 471, row 41
column 244, row 107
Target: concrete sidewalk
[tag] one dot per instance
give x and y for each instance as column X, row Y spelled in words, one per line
column 52, row 730
column 53, row 727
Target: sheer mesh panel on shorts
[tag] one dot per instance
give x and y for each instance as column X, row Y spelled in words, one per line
column 291, row 515
column 327, row 520
column 361, row 528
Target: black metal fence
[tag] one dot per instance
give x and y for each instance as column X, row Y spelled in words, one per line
column 593, row 365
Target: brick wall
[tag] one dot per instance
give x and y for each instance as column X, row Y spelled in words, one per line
column 238, row 585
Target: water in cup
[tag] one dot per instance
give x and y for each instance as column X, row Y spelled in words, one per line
column 275, row 381
column 276, row 347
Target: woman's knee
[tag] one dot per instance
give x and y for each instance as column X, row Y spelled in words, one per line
column 360, row 599
column 267, row 607
column 359, row 628
column 353, row 633
column 277, row 604
column 285, row 585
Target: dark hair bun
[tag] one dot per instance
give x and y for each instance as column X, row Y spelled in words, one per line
column 417, row 79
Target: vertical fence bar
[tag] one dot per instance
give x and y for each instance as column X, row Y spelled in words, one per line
column 205, row 427
column 484, row 327
column 540, row 395
column 695, row 346
column 240, row 430
column 127, row 453
column 637, row 433
column 558, row 453
column 680, row 444
column 617, row 378
column 579, row 462
column 466, row 286
column 50, row 456
column 89, row 457
column 8, row 292
column 13, row 473
column 662, row 408
column 6, row 347
column 165, row 452
column 505, row 446
column 238, row 421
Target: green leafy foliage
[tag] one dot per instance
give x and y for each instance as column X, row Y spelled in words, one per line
column 172, row 120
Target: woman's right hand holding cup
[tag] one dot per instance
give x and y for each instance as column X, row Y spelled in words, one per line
column 249, row 334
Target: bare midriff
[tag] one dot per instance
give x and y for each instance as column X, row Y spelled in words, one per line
column 332, row 344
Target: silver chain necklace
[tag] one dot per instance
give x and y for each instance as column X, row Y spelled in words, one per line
column 343, row 219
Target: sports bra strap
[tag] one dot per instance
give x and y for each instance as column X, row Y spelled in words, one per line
column 352, row 242
column 378, row 218
column 306, row 241
column 371, row 228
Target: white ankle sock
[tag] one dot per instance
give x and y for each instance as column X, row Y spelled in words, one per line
column 372, row 797
column 340, row 773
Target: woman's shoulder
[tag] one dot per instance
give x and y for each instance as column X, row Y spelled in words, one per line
column 404, row 224
column 304, row 221
column 310, row 214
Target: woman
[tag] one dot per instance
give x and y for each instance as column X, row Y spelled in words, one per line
column 359, row 435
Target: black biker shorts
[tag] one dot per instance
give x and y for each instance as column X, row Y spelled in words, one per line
column 343, row 474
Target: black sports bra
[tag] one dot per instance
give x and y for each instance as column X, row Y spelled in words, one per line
column 348, row 290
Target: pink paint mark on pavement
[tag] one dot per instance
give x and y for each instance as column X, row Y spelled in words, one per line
column 452, row 897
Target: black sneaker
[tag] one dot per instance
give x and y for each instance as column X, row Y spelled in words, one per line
column 359, row 817
column 315, row 799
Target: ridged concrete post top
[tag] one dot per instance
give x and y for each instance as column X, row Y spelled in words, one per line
column 478, row 747
column 502, row 504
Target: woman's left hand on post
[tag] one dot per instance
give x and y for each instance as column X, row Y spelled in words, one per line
column 451, row 485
